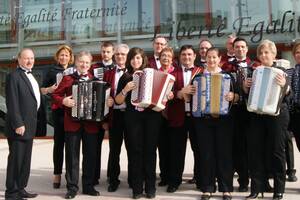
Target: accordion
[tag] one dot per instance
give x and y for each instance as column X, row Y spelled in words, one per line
column 152, row 88
column 66, row 72
column 210, row 94
column 265, row 93
column 90, row 100
column 99, row 73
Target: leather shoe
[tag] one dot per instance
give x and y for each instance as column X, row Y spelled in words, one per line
column 254, row 195
column 277, row 196
column 70, row 195
column 205, row 196
column 137, row 196
column 14, row 198
column 25, row 194
column 227, row 197
column 112, row 187
column 91, row 192
column 291, row 177
column 150, row 195
column 171, row 189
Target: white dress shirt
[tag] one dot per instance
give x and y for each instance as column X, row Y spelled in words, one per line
column 35, row 86
column 158, row 65
column 186, row 80
column 118, row 75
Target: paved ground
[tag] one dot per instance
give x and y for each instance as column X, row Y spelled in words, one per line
column 41, row 178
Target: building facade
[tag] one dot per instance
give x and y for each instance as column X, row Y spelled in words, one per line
column 43, row 25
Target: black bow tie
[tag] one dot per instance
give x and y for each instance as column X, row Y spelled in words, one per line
column 188, row 69
column 121, row 69
column 26, row 71
column 156, row 58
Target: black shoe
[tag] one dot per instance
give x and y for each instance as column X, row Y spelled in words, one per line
column 150, row 195
column 171, row 189
column 137, row 196
column 192, row 181
column 254, row 195
column 112, row 187
column 227, row 197
column 91, row 192
column 70, row 195
column 205, row 196
column 14, row 198
column 162, row 183
column 291, row 177
column 277, row 196
column 25, row 194
column 243, row 188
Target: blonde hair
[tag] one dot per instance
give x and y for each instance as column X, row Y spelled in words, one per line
column 84, row 53
column 66, row 48
column 167, row 49
column 295, row 47
column 266, row 44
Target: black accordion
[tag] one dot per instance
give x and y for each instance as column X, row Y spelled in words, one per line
column 90, row 100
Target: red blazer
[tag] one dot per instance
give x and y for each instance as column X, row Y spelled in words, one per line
column 176, row 107
column 225, row 58
column 63, row 90
column 231, row 66
column 152, row 62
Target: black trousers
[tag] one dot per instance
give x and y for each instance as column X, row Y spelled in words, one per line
column 59, row 140
column 177, row 150
column 240, row 155
column 100, row 136
column 117, row 133
column 18, row 166
column 142, row 133
column 163, row 151
column 289, row 153
column 294, row 126
column 89, row 146
column 215, row 136
column 266, row 144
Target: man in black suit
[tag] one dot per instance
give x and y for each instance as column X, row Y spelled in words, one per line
column 22, row 102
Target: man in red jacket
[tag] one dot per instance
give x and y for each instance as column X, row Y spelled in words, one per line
column 78, row 131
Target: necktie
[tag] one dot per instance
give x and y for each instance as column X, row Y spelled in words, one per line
column 188, row 69
column 121, row 69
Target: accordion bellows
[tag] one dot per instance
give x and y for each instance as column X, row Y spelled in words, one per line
column 265, row 93
column 90, row 100
column 152, row 89
column 210, row 94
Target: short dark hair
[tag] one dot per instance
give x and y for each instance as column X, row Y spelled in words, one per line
column 238, row 39
column 107, row 44
column 205, row 40
column 185, row 47
column 133, row 52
